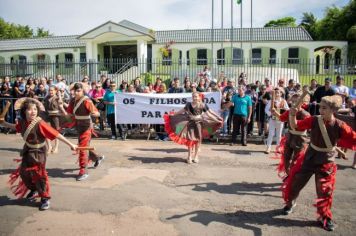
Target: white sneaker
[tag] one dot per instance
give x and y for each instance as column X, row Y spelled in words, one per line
column 45, row 204
column 82, row 177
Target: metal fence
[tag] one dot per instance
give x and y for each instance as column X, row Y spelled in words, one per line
column 303, row 70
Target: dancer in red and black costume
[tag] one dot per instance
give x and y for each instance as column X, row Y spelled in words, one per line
column 293, row 144
column 54, row 108
column 325, row 133
column 82, row 108
column 31, row 174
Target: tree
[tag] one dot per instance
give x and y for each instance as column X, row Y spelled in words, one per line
column 42, row 33
column 282, row 22
column 14, row 31
column 309, row 22
column 351, row 34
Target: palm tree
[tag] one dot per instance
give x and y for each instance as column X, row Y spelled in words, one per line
column 309, row 22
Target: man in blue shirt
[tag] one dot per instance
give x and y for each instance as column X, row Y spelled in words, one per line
column 109, row 101
column 242, row 114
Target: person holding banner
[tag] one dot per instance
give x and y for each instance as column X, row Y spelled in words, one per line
column 188, row 125
column 31, row 174
column 83, row 108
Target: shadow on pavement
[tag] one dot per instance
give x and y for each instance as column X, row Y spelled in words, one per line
column 52, row 172
column 244, row 219
column 242, row 188
column 148, row 160
column 241, row 152
column 11, row 149
column 171, row 150
column 6, row 201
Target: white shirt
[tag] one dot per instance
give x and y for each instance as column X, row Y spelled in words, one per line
column 341, row 89
column 277, row 102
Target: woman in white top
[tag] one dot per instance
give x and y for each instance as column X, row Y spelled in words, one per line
column 275, row 125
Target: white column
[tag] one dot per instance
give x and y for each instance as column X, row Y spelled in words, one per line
column 142, row 55
column 312, row 61
column 89, row 51
column 278, row 54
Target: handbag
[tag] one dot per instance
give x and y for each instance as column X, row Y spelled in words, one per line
column 100, row 106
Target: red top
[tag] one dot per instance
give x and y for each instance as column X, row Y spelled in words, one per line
column 45, row 129
column 98, row 94
column 87, row 104
column 284, row 117
column 347, row 138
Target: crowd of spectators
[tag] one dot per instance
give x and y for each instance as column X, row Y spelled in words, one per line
column 243, row 104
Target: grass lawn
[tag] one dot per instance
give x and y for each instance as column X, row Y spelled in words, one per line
column 305, row 79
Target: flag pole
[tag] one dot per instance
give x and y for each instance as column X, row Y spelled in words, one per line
column 241, row 29
column 212, row 36
column 251, row 28
column 222, row 32
column 232, row 30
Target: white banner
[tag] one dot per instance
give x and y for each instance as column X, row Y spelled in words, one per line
column 143, row 108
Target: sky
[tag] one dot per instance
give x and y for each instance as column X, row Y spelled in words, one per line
column 73, row 17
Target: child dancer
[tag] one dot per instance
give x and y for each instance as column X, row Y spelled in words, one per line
column 32, row 170
column 188, row 124
column 293, row 144
column 82, row 108
column 53, row 105
column 326, row 132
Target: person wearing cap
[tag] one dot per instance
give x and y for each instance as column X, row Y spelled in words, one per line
column 340, row 89
column 319, row 93
column 275, row 125
column 214, row 86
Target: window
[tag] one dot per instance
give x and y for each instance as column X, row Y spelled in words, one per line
column 221, row 57
column 293, row 55
column 202, row 57
column 180, row 57
column 57, row 61
column 327, row 61
column 167, row 61
column 256, row 56
column 22, row 62
column 237, row 56
column 41, row 61
column 188, row 61
column 272, row 56
column 83, row 57
column 68, row 59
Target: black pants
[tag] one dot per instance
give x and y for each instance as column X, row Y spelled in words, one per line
column 250, row 125
column 111, row 121
column 239, row 123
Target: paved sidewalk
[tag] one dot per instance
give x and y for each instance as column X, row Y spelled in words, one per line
column 146, row 188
